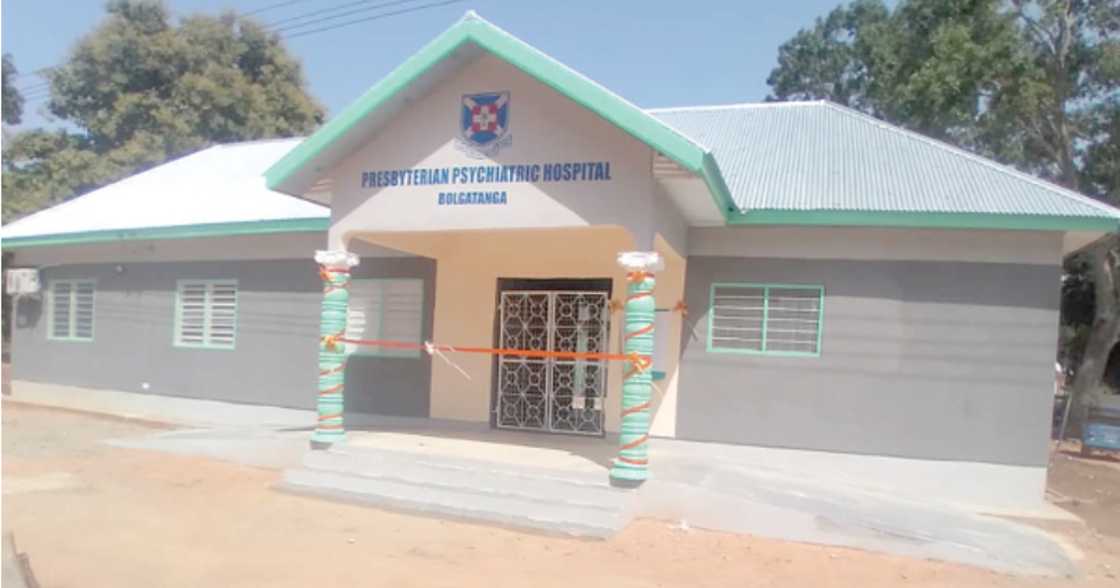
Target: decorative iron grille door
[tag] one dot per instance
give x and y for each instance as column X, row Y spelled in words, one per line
column 552, row 394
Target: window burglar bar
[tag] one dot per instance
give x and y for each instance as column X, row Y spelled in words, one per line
column 769, row 319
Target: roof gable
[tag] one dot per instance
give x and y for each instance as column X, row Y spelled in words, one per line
column 298, row 170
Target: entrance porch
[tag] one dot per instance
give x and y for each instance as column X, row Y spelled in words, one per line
column 474, row 268
column 558, row 293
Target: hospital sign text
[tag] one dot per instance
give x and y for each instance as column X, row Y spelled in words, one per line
column 465, row 175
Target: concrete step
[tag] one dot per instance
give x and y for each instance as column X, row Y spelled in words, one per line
column 459, row 500
column 378, row 456
column 589, row 490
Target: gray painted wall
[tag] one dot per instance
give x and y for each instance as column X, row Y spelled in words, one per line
column 936, row 360
column 274, row 362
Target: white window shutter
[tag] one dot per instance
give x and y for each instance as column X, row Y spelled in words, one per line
column 83, row 310
column 403, row 311
column 221, row 325
column 385, row 309
column 71, row 310
column 60, row 309
column 206, row 313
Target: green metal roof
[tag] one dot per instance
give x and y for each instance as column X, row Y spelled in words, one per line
column 818, row 163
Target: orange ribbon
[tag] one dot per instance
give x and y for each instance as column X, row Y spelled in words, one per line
column 326, row 275
column 639, row 359
column 330, row 390
column 330, row 342
column 642, row 331
column 638, row 364
column 638, row 276
column 635, row 443
column 638, row 408
column 337, row 369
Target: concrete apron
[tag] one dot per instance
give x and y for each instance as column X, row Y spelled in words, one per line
column 774, row 499
column 766, row 492
column 189, row 412
column 701, row 494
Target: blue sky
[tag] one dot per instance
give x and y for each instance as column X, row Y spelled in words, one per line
column 653, row 52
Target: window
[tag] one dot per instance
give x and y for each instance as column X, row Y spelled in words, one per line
column 206, row 314
column 71, row 310
column 769, row 319
column 387, row 309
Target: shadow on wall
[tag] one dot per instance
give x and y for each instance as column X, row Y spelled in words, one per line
column 28, row 311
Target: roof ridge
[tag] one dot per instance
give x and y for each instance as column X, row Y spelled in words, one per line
column 736, row 105
column 999, row 167
column 474, row 16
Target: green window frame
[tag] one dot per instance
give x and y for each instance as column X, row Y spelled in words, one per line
column 206, row 314
column 71, row 310
column 386, row 309
column 765, row 319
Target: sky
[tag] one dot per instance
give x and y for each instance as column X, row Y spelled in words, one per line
column 652, row 52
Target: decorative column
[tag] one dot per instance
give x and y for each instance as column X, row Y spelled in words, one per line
column 334, row 270
column 630, row 467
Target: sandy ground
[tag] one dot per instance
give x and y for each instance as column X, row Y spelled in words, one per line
column 93, row 515
column 1089, row 488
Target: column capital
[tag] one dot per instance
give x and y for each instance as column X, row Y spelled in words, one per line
column 648, row 261
column 336, row 258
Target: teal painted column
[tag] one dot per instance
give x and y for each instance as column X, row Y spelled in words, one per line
column 631, row 467
column 334, row 270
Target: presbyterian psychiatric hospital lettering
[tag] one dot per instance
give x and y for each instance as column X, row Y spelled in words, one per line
column 589, row 171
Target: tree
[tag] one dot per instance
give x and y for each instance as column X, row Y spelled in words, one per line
column 1032, row 83
column 140, row 90
column 11, row 99
column 925, row 66
column 832, row 60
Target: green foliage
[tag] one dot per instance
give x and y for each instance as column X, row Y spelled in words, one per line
column 12, row 100
column 831, row 60
column 140, row 90
column 1032, row 83
column 42, row 168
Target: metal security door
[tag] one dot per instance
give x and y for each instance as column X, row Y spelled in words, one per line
column 552, row 394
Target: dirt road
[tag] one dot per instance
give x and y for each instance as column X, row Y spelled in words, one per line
column 93, row 515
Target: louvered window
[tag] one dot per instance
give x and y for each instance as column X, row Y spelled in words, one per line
column 206, row 314
column 386, row 309
column 770, row 319
column 71, row 310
